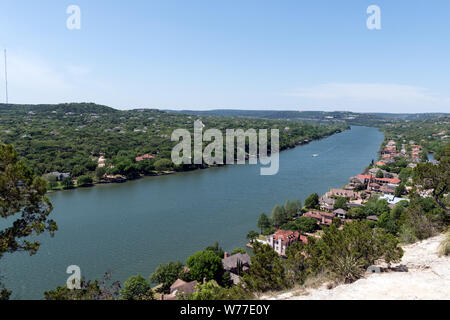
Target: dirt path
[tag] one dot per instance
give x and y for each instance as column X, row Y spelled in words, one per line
column 428, row 278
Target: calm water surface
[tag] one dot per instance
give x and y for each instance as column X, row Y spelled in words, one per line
column 131, row 228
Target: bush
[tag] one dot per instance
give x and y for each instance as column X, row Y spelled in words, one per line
column 136, row 288
column 163, row 165
column 84, row 181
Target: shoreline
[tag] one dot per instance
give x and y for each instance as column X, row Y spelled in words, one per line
column 157, row 174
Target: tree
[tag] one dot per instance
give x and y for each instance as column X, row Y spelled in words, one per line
column 23, row 203
column 90, row 290
column 100, row 173
column 84, row 181
column 292, row 208
column 400, row 190
column 267, row 271
column 341, row 203
column 238, row 250
column 136, row 288
column 312, row 202
column 163, row 165
column 348, row 252
column 305, row 224
column 167, row 274
column 435, row 177
column 252, row 235
column 216, row 249
column 67, row 183
column 278, row 217
column 205, row 265
column 380, row 174
column 263, row 222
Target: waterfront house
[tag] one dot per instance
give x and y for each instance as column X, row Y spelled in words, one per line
column 144, row 157
column 59, row 175
column 282, row 239
column 348, row 194
column 323, row 218
column 340, row 213
column 180, row 286
column 236, row 264
column 326, row 203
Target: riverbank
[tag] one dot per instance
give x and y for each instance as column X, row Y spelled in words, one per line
column 122, row 179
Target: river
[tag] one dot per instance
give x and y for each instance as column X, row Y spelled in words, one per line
column 131, row 228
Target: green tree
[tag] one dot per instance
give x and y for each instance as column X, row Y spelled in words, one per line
column 67, row 183
column 84, row 181
column 23, row 203
column 292, row 208
column 252, row 235
column 163, row 165
column 88, row 291
column 341, row 203
column 136, row 288
column 100, row 173
column 380, row 174
column 238, row 250
column 167, row 274
column 305, row 224
column 205, row 265
column 278, row 217
column 267, row 271
column 263, row 222
column 400, row 190
column 312, row 202
column 216, row 249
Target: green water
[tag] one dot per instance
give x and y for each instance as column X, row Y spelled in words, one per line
column 131, row 228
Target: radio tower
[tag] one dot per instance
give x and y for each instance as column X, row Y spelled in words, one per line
column 6, row 79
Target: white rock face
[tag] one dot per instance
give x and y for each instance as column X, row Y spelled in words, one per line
column 428, row 278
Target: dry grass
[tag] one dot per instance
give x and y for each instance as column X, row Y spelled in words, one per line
column 444, row 248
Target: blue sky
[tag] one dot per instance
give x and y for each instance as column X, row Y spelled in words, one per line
column 247, row 54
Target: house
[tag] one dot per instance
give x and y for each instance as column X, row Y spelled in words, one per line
column 59, row 175
column 282, row 239
column 326, row 203
column 236, row 265
column 340, row 213
column 348, row 194
column 372, row 218
column 323, row 218
column 180, row 286
column 387, row 189
column 356, row 181
column 144, row 157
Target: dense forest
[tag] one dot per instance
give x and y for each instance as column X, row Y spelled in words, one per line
column 70, row 138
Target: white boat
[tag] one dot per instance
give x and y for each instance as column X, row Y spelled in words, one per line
column 315, row 155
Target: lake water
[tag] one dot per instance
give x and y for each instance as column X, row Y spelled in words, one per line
column 131, row 228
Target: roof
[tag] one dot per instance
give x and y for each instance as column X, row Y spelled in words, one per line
column 286, row 235
column 183, row 286
column 144, row 157
column 340, row 211
column 372, row 218
column 231, row 262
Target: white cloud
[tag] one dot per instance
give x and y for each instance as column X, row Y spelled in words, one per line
column 34, row 80
column 78, row 70
column 373, row 97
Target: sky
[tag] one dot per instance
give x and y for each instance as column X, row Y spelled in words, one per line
column 229, row 54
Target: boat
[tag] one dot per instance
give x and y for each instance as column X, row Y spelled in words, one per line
column 315, row 155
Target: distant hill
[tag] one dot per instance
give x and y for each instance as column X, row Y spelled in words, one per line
column 319, row 116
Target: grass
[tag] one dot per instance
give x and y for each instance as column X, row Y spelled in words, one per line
column 444, row 248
